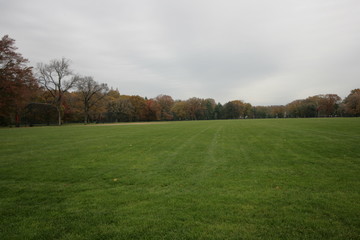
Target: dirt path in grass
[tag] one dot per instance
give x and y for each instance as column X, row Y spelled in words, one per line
column 132, row 123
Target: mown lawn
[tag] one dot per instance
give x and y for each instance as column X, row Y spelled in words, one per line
column 230, row 179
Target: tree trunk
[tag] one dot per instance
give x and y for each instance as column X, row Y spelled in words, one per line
column 17, row 120
column 59, row 115
column 86, row 117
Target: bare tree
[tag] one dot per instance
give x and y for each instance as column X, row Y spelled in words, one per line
column 57, row 78
column 91, row 93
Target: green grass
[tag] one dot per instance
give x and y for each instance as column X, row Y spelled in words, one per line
column 239, row 179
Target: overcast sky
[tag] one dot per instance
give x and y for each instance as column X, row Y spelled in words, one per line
column 260, row 51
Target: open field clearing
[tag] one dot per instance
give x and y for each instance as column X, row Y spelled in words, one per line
column 230, row 179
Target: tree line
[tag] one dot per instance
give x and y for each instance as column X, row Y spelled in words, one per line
column 52, row 94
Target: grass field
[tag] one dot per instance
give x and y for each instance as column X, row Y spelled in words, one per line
column 230, row 179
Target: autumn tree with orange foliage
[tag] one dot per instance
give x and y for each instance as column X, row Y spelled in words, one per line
column 352, row 103
column 17, row 83
column 165, row 102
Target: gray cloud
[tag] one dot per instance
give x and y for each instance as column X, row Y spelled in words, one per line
column 263, row 52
